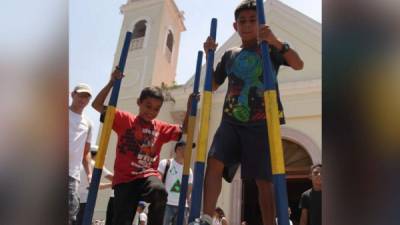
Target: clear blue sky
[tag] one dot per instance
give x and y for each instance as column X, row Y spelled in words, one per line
column 94, row 27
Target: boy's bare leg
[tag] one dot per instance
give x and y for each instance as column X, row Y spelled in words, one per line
column 212, row 185
column 266, row 201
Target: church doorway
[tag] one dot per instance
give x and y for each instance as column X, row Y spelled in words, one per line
column 297, row 165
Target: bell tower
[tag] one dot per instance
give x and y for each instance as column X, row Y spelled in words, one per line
column 156, row 26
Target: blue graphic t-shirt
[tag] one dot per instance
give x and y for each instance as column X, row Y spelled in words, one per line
column 244, row 100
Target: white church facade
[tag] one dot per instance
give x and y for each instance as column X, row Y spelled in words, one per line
column 152, row 60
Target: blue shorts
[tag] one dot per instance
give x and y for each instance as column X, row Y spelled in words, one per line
column 247, row 146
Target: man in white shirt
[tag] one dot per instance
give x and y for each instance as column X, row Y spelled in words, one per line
column 171, row 171
column 80, row 135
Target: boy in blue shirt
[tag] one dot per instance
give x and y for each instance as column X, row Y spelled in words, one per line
column 242, row 135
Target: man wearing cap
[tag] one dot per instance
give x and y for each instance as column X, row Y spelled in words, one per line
column 80, row 135
column 171, row 173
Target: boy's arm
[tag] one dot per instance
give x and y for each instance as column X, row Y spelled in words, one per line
column 98, row 102
column 107, row 174
column 290, row 55
column 215, row 85
column 109, row 177
column 161, row 167
column 304, row 216
column 86, row 161
column 189, row 194
column 189, row 106
column 304, row 206
column 142, row 219
column 210, row 44
column 103, row 186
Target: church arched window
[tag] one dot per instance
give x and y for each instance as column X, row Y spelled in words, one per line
column 170, row 45
column 139, row 33
column 170, row 41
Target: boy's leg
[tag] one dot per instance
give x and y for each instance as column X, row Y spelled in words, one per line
column 168, row 215
column 155, row 194
column 224, row 152
column 212, row 185
column 186, row 217
column 175, row 210
column 251, row 213
column 266, row 201
column 110, row 211
column 125, row 202
column 256, row 164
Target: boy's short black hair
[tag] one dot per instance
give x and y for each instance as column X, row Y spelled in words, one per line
column 315, row 166
column 243, row 5
column 93, row 153
column 151, row 92
column 220, row 211
column 183, row 143
column 93, row 150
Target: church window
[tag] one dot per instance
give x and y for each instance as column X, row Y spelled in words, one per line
column 170, row 45
column 139, row 33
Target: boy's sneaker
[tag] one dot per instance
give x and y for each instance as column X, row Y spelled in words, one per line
column 199, row 221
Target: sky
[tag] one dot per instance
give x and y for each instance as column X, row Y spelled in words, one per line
column 94, row 28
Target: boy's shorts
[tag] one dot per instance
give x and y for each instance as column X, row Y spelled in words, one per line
column 247, row 146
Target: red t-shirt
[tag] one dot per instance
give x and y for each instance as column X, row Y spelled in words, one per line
column 139, row 145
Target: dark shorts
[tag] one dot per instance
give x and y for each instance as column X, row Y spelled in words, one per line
column 247, row 146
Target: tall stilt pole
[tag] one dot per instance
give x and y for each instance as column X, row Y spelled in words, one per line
column 203, row 135
column 189, row 142
column 274, row 132
column 105, row 137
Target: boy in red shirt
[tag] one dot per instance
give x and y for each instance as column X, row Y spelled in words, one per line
column 140, row 138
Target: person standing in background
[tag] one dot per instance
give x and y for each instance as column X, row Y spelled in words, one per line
column 310, row 201
column 80, row 135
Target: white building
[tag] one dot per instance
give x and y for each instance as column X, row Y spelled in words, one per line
column 157, row 24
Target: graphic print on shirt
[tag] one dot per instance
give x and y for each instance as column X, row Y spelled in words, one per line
column 244, row 100
column 140, row 141
column 176, row 187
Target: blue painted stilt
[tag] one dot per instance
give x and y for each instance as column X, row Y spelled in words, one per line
column 105, row 137
column 203, row 134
